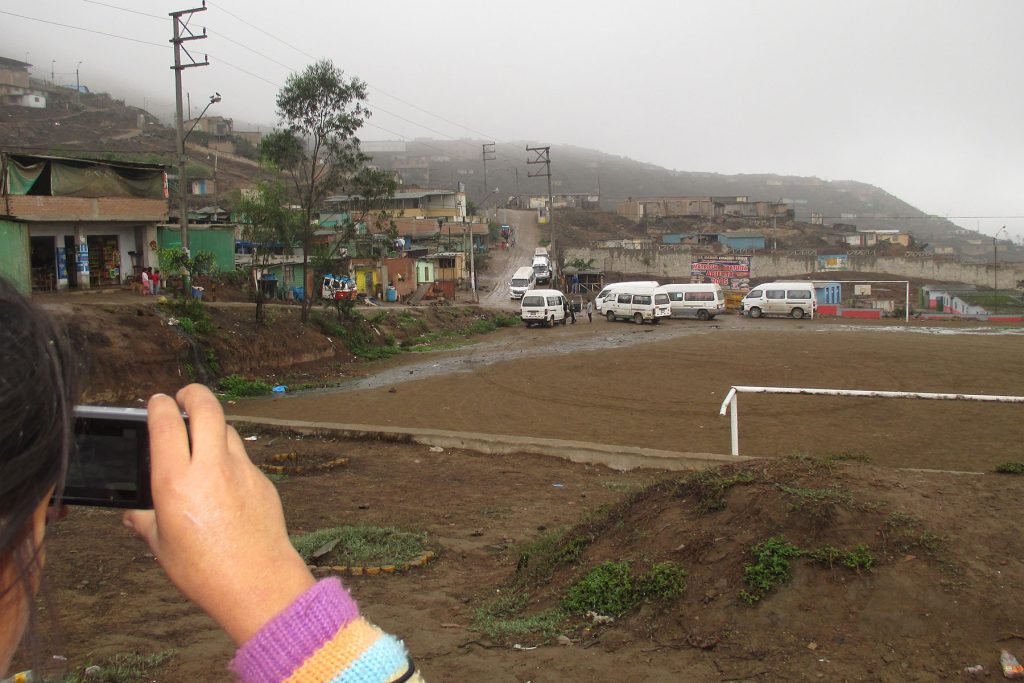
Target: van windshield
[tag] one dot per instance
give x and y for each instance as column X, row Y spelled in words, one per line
column 519, row 282
column 756, row 294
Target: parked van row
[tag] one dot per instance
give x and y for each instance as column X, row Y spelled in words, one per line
column 687, row 300
column 639, row 303
column 795, row 299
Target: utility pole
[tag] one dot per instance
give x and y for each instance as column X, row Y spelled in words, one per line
column 78, row 85
column 519, row 201
column 53, row 78
column 542, row 155
column 488, row 155
column 183, row 33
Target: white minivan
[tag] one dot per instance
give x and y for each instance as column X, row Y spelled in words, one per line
column 696, row 300
column 608, row 289
column 637, row 303
column 543, row 307
column 521, row 282
column 795, row 299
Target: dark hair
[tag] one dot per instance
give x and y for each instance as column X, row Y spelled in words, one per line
column 37, row 393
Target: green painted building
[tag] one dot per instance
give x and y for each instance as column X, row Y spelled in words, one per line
column 14, row 254
column 216, row 239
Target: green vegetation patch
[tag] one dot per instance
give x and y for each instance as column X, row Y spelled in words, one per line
column 235, row 386
column 770, row 570
column 192, row 316
column 612, row 589
column 360, row 546
column 503, row 619
column 858, row 558
column 126, row 667
column 1010, row 468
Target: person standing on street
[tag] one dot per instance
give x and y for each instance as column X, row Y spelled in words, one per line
column 590, row 312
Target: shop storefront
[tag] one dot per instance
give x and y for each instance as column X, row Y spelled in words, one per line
column 104, row 260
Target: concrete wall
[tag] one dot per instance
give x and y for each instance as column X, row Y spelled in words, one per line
column 675, row 265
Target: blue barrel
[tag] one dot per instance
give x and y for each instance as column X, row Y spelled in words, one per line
column 392, row 294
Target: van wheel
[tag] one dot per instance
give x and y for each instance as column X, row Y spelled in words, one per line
column 551, row 322
column 638, row 319
column 702, row 314
column 755, row 312
column 797, row 313
column 611, row 316
column 528, row 323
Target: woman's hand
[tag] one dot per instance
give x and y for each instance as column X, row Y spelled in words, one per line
column 217, row 527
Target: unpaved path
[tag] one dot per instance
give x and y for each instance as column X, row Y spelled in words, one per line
column 505, row 263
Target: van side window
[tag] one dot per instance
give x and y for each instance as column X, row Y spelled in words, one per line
column 533, row 301
column 700, row 296
column 642, row 299
column 625, row 298
column 799, row 294
column 675, row 296
column 554, row 301
column 775, row 293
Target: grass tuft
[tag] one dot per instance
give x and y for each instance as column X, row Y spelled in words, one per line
column 360, row 546
column 126, row 667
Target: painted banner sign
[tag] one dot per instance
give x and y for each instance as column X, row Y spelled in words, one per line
column 731, row 272
column 833, row 262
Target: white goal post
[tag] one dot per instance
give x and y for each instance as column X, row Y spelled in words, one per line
column 731, row 405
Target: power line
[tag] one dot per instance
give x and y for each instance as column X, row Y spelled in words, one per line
column 266, row 33
column 81, row 28
column 269, row 82
column 125, row 9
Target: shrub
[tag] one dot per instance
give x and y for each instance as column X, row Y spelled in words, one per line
column 607, row 589
column 770, row 570
column 665, row 580
column 236, row 386
column 1010, row 468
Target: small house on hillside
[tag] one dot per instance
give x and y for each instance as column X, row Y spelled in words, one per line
column 16, row 88
column 78, row 223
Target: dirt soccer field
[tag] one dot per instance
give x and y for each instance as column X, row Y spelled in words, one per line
column 936, row 586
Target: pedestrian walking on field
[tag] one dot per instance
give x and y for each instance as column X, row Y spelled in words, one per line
column 590, row 311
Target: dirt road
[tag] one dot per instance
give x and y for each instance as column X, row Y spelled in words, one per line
column 505, row 263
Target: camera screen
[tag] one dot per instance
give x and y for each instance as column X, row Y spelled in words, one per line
column 110, row 464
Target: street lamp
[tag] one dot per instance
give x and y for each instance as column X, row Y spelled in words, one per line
column 78, row 84
column 214, row 99
column 182, row 180
column 995, row 268
column 53, row 78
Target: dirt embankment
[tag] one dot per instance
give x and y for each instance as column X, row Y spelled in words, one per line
column 130, row 351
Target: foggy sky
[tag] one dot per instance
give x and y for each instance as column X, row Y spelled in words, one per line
column 923, row 99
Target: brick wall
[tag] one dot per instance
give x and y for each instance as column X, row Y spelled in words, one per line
column 41, row 208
